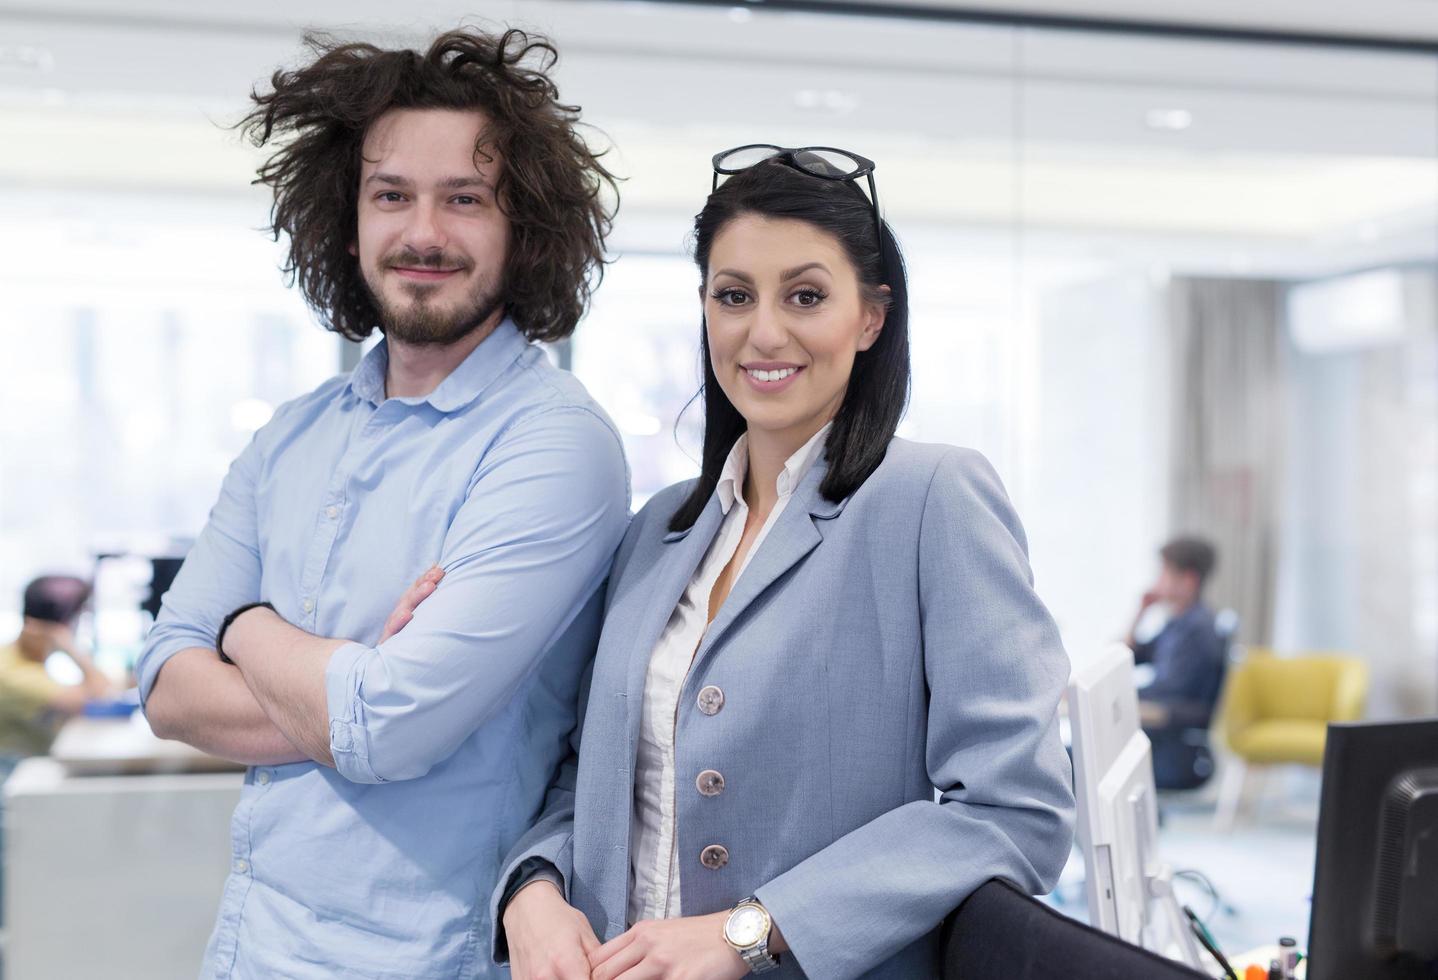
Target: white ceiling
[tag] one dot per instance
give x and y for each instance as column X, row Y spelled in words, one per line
column 1413, row 20
column 1305, row 151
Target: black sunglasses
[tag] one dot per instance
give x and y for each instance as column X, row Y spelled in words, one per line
column 826, row 162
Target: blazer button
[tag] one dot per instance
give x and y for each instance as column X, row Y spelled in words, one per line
column 714, row 857
column 711, row 699
column 710, row 783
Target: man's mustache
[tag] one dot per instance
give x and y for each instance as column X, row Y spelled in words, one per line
column 410, row 259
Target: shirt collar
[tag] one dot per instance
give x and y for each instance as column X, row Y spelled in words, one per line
column 463, row 385
column 736, row 467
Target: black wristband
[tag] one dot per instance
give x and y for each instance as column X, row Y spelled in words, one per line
column 228, row 620
column 528, row 871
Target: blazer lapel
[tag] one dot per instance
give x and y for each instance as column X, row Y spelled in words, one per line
column 679, row 556
column 794, row 535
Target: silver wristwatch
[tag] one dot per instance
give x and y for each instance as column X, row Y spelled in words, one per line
column 747, row 933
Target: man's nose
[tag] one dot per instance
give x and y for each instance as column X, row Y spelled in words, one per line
column 425, row 231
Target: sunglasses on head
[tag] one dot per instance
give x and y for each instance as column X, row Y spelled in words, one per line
column 824, row 162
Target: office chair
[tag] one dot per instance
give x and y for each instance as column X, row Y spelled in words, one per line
column 1183, row 755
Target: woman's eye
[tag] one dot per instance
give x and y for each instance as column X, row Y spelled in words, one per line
column 808, row 297
column 732, row 297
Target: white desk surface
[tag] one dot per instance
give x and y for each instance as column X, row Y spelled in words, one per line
column 42, row 777
column 113, row 746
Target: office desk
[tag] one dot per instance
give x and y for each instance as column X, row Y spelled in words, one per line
column 115, row 876
column 114, row 746
column 1262, row 956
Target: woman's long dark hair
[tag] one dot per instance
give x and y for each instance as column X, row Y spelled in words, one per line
column 879, row 384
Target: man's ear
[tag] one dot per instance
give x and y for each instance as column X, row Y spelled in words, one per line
column 875, row 315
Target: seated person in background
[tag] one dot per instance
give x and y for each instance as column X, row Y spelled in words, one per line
column 33, row 705
column 1188, row 660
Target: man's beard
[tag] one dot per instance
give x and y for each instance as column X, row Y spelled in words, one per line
column 420, row 322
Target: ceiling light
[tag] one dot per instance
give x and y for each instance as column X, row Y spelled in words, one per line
column 827, row 100
column 1169, row 119
column 30, row 57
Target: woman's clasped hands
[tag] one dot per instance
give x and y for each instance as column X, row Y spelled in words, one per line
column 549, row 940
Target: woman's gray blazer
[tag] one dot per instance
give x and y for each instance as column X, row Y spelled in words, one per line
column 874, row 650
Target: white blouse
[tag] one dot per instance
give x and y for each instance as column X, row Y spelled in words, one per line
column 654, row 863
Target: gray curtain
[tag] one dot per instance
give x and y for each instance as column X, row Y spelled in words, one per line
column 1226, row 442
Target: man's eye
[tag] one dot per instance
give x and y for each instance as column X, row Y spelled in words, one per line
column 390, row 197
column 466, row 199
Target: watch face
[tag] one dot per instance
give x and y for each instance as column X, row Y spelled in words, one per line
column 746, row 926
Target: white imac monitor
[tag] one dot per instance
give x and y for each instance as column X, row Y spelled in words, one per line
column 1129, row 889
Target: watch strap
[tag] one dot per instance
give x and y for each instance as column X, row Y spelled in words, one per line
column 758, row 958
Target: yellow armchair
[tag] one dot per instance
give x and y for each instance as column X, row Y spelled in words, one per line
column 1276, row 710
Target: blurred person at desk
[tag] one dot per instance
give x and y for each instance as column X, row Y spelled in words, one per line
column 1187, row 655
column 33, row 705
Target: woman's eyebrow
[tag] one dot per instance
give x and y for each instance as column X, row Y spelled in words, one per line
column 734, row 273
column 801, row 269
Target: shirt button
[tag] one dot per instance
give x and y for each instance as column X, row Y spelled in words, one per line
column 263, row 777
column 241, row 866
column 711, row 699
column 714, row 857
column 332, row 512
column 309, row 605
column 710, row 783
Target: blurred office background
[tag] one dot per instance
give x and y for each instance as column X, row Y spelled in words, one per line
column 1167, row 281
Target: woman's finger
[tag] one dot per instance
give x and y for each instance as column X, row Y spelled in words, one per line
column 619, row 963
column 619, row 943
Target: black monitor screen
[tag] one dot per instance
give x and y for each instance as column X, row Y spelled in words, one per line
column 1375, row 888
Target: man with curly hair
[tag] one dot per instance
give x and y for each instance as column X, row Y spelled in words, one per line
column 444, row 198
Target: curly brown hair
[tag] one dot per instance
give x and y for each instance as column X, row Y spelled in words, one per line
column 551, row 185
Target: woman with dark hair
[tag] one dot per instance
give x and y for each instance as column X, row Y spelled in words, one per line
column 801, row 646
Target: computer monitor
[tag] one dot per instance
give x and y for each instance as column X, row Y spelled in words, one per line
column 1375, row 883
column 1130, row 890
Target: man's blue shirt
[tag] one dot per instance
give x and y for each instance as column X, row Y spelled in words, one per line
column 445, row 736
column 1188, row 661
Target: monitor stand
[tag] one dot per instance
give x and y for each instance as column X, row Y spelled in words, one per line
column 1169, row 932
column 1166, row 929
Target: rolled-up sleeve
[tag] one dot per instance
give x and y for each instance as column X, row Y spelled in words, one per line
column 532, row 542
column 220, row 573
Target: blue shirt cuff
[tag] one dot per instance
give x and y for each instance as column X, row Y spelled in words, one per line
column 349, row 740
column 164, row 642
